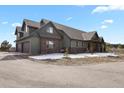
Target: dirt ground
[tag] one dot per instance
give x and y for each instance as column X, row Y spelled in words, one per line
column 18, row 71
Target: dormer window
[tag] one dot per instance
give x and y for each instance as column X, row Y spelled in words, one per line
column 50, row 30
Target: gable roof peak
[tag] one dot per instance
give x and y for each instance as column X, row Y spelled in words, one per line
column 32, row 23
column 18, row 29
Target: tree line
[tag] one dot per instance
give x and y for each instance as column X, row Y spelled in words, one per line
column 117, row 46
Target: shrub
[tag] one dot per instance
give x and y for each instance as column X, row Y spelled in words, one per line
column 5, row 46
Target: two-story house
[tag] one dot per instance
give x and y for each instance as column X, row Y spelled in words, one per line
column 49, row 37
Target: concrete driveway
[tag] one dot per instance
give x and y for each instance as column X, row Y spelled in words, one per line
column 18, row 71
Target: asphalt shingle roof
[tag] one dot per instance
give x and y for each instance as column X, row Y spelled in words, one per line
column 32, row 23
column 18, row 29
column 88, row 35
column 72, row 32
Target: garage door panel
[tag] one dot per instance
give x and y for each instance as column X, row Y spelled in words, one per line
column 26, row 47
column 19, row 47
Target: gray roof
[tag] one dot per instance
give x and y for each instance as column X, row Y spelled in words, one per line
column 18, row 29
column 69, row 31
column 88, row 35
column 72, row 32
column 32, row 23
column 101, row 39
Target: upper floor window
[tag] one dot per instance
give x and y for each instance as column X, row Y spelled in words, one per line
column 26, row 28
column 50, row 30
column 19, row 35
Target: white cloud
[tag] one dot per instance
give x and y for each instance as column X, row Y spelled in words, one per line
column 69, row 18
column 104, row 27
column 16, row 24
column 5, row 22
column 105, row 23
column 108, row 21
column 101, row 9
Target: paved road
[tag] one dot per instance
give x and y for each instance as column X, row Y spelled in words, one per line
column 16, row 71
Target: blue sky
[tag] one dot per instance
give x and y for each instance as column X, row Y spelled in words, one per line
column 108, row 21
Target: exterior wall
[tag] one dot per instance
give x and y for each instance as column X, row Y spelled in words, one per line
column 103, row 47
column 19, row 45
column 55, row 35
column 86, row 46
column 25, row 28
column 96, row 47
column 35, row 46
column 78, row 46
column 44, row 49
column 26, row 47
column 46, row 36
column 31, row 29
column 66, row 41
column 38, row 45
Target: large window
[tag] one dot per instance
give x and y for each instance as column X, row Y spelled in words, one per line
column 50, row 44
column 50, row 30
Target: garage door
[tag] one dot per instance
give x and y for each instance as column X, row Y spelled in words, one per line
column 26, row 47
column 19, row 47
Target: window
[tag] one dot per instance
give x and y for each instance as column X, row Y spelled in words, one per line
column 79, row 44
column 50, row 30
column 73, row 43
column 18, row 34
column 50, row 44
column 21, row 34
column 85, row 44
column 26, row 28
